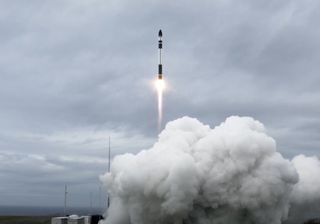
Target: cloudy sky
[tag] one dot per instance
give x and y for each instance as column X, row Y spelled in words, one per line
column 73, row 73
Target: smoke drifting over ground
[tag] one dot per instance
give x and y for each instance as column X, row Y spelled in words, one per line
column 197, row 175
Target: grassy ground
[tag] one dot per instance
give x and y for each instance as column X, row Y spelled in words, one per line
column 25, row 220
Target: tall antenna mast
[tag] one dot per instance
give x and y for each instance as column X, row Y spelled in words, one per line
column 109, row 151
column 100, row 207
column 65, row 199
column 109, row 163
column 90, row 202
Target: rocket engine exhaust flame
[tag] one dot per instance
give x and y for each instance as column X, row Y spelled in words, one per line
column 160, row 86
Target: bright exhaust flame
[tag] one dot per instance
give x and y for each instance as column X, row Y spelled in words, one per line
column 160, row 86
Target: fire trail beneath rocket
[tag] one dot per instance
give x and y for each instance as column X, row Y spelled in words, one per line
column 160, row 86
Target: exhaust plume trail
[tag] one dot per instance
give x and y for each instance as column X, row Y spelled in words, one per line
column 160, row 86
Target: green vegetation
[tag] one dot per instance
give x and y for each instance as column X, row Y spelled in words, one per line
column 313, row 221
column 25, row 220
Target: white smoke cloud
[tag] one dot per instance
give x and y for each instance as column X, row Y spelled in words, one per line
column 305, row 198
column 195, row 174
column 308, row 188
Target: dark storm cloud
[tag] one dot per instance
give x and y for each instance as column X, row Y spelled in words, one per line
column 75, row 72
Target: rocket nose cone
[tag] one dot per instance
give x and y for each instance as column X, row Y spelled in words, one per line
column 160, row 33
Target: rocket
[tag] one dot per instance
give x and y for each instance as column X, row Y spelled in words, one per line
column 159, row 49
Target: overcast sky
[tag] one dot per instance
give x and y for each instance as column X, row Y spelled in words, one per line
column 74, row 72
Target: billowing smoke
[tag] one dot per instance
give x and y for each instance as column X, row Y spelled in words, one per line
column 231, row 174
column 308, row 188
column 305, row 198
